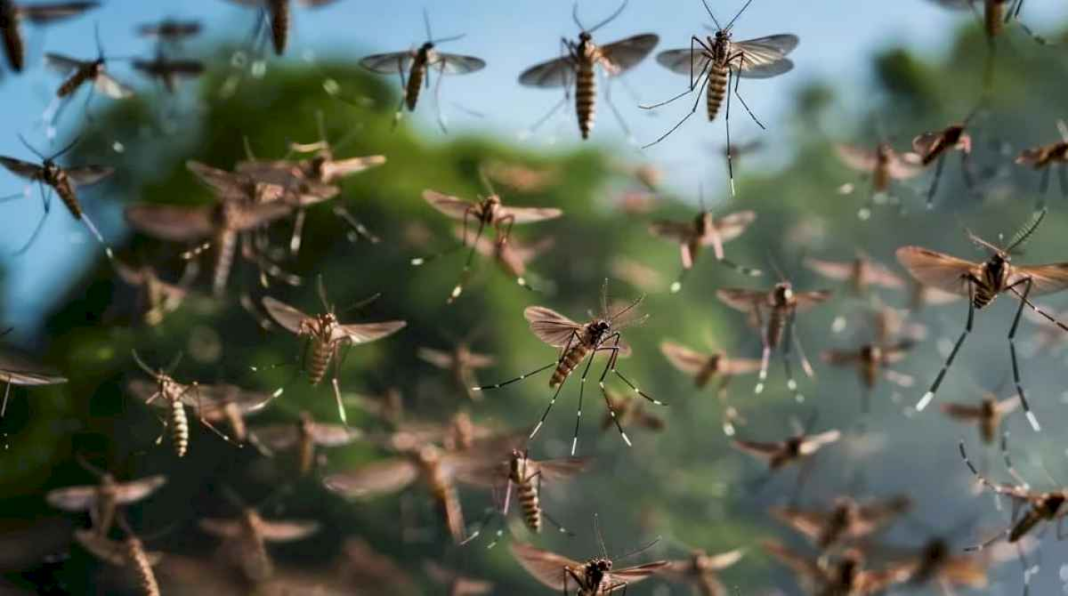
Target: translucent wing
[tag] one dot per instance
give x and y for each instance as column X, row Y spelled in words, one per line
column 456, row 64
column 110, row 87
column 171, row 222
column 809, row 523
column 72, row 498
column 759, row 449
column 546, row 567
column 1047, row 279
column 739, row 366
column 731, row 226
column 813, row 443
column 627, row 53
column 277, row 437
column 676, row 231
column 840, row 357
column 836, row 270
column 285, row 315
column 678, row 61
column 391, row 63
column 766, row 56
column 686, row 360
column 802, row 565
column 62, row 64
column 130, row 492
column 344, row 167
column 550, row 326
column 638, row 572
column 529, row 214
column 806, row 300
column 315, row 3
column 144, row 390
column 287, row 531
column 213, row 399
column 451, row 206
column 20, row 370
column 962, row 411
column 936, row 269
column 857, row 158
column 561, row 469
column 367, row 332
column 904, row 165
column 554, row 73
column 21, row 168
column 332, row 435
column 87, row 175
column 742, row 299
column 378, row 478
column 227, row 185
column 436, row 357
column 1006, row 406
column 222, row 528
column 40, row 14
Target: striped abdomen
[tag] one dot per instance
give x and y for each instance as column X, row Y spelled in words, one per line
column 279, row 24
column 179, row 428
column 994, row 279
column 415, row 81
column 585, row 96
column 318, row 360
column 66, row 194
column 776, row 326
column 104, row 514
column 527, row 493
column 146, row 579
column 995, row 17
column 80, row 76
column 225, row 247
column 448, row 501
column 307, row 454
column 568, row 364
column 717, row 89
column 869, row 372
column 1032, row 518
column 880, row 179
column 705, row 374
column 9, row 27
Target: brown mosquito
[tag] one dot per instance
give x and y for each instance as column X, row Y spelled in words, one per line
column 387, row 406
column 521, row 178
column 860, row 274
column 80, row 72
column 461, row 363
column 883, row 164
column 704, row 366
column 455, row 583
column 63, row 181
column 487, row 212
column 277, row 14
column 705, row 230
column 982, row 283
column 936, row 562
column 129, row 553
column 578, row 342
column 11, row 14
column 637, row 274
column 934, row 146
column 595, row 576
column 847, row 520
column 170, row 30
column 1047, row 158
column 418, row 64
column 845, row 575
column 576, row 69
column 630, row 412
column 167, row 71
column 231, row 404
column 701, row 570
column 715, row 62
column 986, row 415
column 17, row 369
column 510, row 255
column 459, row 435
column 103, row 500
column 303, row 436
column 325, row 338
column 780, row 306
column 873, row 360
column 155, row 298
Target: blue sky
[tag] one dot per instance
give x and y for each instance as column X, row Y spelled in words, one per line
column 838, row 37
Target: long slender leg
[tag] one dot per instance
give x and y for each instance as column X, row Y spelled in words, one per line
column 791, row 382
column 1043, row 188
column 765, row 354
column 465, row 273
column 437, row 98
column 1027, row 283
column 927, row 397
column 615, row 110
column 1008, row 461
column 727, row 125
column 693, row 110
column 613, row 359
column 517, row 379
column 608, row 403
column 578, row 416
column 563, row 354
column 1062, row 178
column 934, row 183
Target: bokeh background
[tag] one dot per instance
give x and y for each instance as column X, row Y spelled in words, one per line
column 884, row 71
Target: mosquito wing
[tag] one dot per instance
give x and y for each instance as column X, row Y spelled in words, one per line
column 107, row 85
column 1046, row 279
column 676, row 231
column 936, row 269
column 964, row 412
column 806, row 300
column 679, row 61
column 46, row 13
column 1006, row 406
column 626, row 53
column 742, row 299
column 809, row 523
column 521, row 215
column 130, row 492
column 857, row 158
column 764, row 57
column 686, row 360
column 813, row 443
column 72, row 498
column 546, row 567
column 24, row 169
column 213, row 399
column 332, row 435
column 739, row 366
column 807, row 568
column 391, row 63
column 171, row 222
column 453, row 207
column 840, row 357
column 759, row 449
column 456, row 64
column 550, row 326
column 367, row 332
column 436, row 357
column 19, row 370
column 346, row 167
column 378, row 478
column 554, row 73
column 731, row 226
column 227, row 185
column 285, row 315
column 635, row 574
column 62, row 64
column 563, row 468
column 287, row 531
column 835, row 270
column 87, row 175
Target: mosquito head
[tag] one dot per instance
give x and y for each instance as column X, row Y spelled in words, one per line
column 783, row 292
column 870, row 353
column 426, row 47
column 585, row 38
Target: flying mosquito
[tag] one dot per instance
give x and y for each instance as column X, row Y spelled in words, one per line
column 16, row 369
column 80, row 72
column 576, row 69
column 846, row 521
column 418, row 64
column 510, row 255
column 577, row 342
column 986, row 415
column 129, row 552
column 326, row 337
column 793, row 449
column 936, row 562
column 63, row 181
column 230, row 404
column 595, row 576
column 996, row 14
column 1048, row 157
column 934, row 146
column 171, row 31
column 704, row 366
column 11, row 14
column 374, row 571
column 155, row 298
column 860, row 274
column 631, row 413
column 844, row 575
column 303, row 436
column 522, row 178
column 459, row 435
column 884, row 165
column 456, row 584
column 487, row 212
column 103, row 500
column 168, row 71
column 701, row 570
column 276, row 13
column 780, row 305
column 982, row 283
column 715, row 62
column 872, row 361
column 461, row 363
column 705, row 230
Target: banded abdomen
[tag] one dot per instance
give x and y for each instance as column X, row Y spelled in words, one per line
column 448, row 501
column 179, row 427
column 279, row 10
column 994, row 280
column 415, row 80
column 83, row 74
column 527, row 493
column 61, row 184
column 256, row 561
column 585, row 95
column 994, row 17
column 318, row 360
column 717, row 88
column 880, row 177
column 307, row 454
column 146, row 579
column 9, row 27
column 776, row 325
column 703, row 376
column 869, row 367
column 1032, row 518
column 225, row 247
column 568, row 363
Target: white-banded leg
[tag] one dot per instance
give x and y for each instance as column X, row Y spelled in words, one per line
column 563, row 354
column 607, row 402
column 358, row 229
column 578, row 416
column 1027, row 282
column 939, row 165
column 704, row 77
column 927, row 397
column 465, row 273
column 787, row 342
column 195, row 389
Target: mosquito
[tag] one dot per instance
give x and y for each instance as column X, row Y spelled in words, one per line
column 576, row 69
column 418, row 63
column 326, row 337
column 873, row 360
column 846, row 521
column 171, row 31
column 456, row 583
column 986, row 415
column 277, row 14
column 510, row 255
column 168, row 71
column 630, row 412
column 798, row 449
column 934, row 146
column 155, row 298
column 459, row 435
column 125, row 553
column 79, row 72
column 231, row 404
column 780, row 305
column 982, row 283
column 461, row 363
column 11, row 14
column 936, row 562
column 705, row 230
column 103, row 500
column 595, row 576
column 62, row 181
column 16, row 369
column 845, row 575
column 521, row 178
column 884, row 165
column 577, row 342
column 704, row 366
column 303, row 436
column 487, row 212
column 701, row 570
column 714, row 62
column 370, row 569
column 1046, row 158
column 860, row 274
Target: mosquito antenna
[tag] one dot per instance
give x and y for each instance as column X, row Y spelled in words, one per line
column 99, row 44
column 604, row 298
column 709, row 11
column 610, row 18
column 775, row 267
column 362, row 303
column 31, row 148
column 426, row 23
column 320, row 123
column 639, row 550
column 1063, row 129
column 485, row 180
column 1026, row 231
column 88, row 466
column 731, row 24
column 62, row 151
column 600, row 537
column 628, row 308
column 574, row 16
column 141, row 363
column 174, row 363
column 320, row 289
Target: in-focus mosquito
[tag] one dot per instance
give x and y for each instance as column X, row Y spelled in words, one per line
column 303, row 436
column 325, row 338
column 129, row 552
column 17, row 369
column 860, row 274
column 167, row 71
column 103, row 500
column 11, row 14
column 701, row 570
column 715, row 62
column 705, row 230
column 418, row 63
column 884, row 165
column 577, row 342
column 982, row 283
column 934, row 146
column 842, row 575
column 487, row 212
column 277, row 14
column 1047, row 158
column 780, row 305
column 63, row 181
column 873, row 359
column 576, row 70
column 847, row 520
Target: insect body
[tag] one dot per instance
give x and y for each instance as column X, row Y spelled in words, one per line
column 703, row 231
column 932, row 147
column 591, row 578
column 102, row 500
column 846, row 521
column 39, row 14
column 701, row 570
column 986, row 415
column 982, row 283
column 170, row 30
column 155, row 297
column 1047, row 158
column 577, row 69
column 872, row 360
column 861, row 273
column 304, row 436
column 167, row 71
column 461, row 362
column 792, row 450
column 278, row 15
column 845, row 575
column 248, row 537
column 884, row 165
column 126, row 553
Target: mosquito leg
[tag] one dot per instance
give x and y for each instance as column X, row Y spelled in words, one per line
column 727, row 125
column 437, row 99
column 465, row 273
column 693, row 110
column 791, row 382
column 567, row 348
column 1043, row 188
column 737, row 82
column 608, row 403
column 1060, row 529
column 1027, row 283
column 1008, row 461
column 560, row 527
column 802, row 478
column 934, row 183
column 517, row 379
column 578, row 417
column 7, row 394
column 927, row 397
column 355, row 224
column 615, row 110
column 298, row 232
column 1062, row 178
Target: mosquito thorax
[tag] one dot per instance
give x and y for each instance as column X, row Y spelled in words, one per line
column 703, row 222
column 1051, row 503
column 883, row 153
column 989, row 407
column 871, row 353
column 596, row 570
column 324, row 324
column 783, row 293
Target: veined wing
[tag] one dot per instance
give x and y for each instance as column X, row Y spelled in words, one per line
column 678, row 61
column 806, row 300
column 637, row 573
column 382, row 477
column 24, row 169
column 1047, row 279
column 742, row 299
column 522, row 215
column 686, row 360
column 287, row 530
column 625, row 54
column 19, row 370
column 40, row 14
column 453, row 207
column 436, row 357
column 676, row 231
column 340, row 168
column 813, row 443
column 936, row 269
column 550, row 326
column 171, row 222
column 227, row 185
column 455, row 63
column 731, row 226
column 110, row 87
column 214, row 398
column 390, row 63
column 285, row 315
column 857, row 158
column 765, row 56
column 559, row 72
column 367, row 332
column 130, row 492
column 63, row 64
column 87, row 175
column 563, row 468
column 546, row 567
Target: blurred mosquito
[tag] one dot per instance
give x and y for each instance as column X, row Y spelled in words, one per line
column 488, row 212
column 455, row 583
column 780, row 305
column 303, row 436
column 847, row 520
column 418, row 63
column 155, row 298
column 860, row 273
column 103, row 500
column 11, row 14
column 577, row 342
column 510, row 255
column 276, row 13
column 797, row 449
column 630, row 412
column 365, row 567
column 701, row 570
column 873, row 359
column 714, row 62
column 16, row 369
column 522, row 178
column 78, row 73
column 459, row 435
column 126, row 553
column 593, row 577
column 167, row 71
column 982, row 283
column 461, row 363
column 986, row 415
column 704, row 366
column 170, row 31
column 884, row 165
column 842, row 575
column 1047, row 158
column 705, row 230
column 326, row 337
column 932, row 147
column 576, row 70
column 62, row 181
